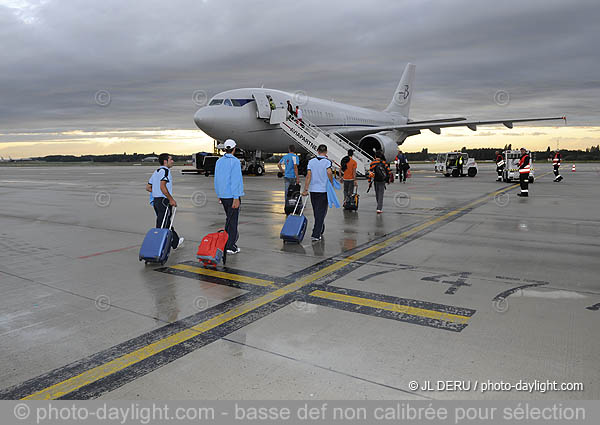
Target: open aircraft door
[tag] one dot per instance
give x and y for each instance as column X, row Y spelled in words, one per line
column 262, row 104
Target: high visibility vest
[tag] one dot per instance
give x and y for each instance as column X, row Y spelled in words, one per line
column 499, row 161
column 524, row 165
column 556, row 160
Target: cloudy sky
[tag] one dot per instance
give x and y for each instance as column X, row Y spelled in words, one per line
column 112, row 76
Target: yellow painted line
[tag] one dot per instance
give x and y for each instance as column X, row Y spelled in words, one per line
column 223, row 275
column 382, row 305
column 72, row 384
column 76, row 382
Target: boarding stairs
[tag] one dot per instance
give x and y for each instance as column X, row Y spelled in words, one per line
column 310, row 136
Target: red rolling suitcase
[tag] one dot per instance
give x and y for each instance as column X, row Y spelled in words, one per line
column 212, row 248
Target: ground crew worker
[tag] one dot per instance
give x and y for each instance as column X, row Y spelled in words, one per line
column 556, row 164
column 499, row 165
column 290, row 173
column 380, row 173
column 271, row 103
column 319, row 171
column 229, row 187
column 160, row 187
column 349, row 166
column 524, row 168
column 459, row 165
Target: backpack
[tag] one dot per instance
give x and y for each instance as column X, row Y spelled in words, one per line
column 344, row 163
column 381, row 174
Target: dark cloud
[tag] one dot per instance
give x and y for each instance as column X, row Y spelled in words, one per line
column 151, row 56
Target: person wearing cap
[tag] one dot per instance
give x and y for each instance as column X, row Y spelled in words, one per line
column 229, row 187
column 348, row 166
column 524, row 168
column 318, row 173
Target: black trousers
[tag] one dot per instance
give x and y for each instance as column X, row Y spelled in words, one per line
column 524, row 180
column 499, row 170
column 556, row 170
column 319, row 204
column 231, row 222
column 161, row 205
column 402, row 171
column 348, row 189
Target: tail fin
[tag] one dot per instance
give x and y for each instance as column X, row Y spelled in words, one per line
column 400, row 103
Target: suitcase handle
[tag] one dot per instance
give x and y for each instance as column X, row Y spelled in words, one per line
column 162, row 226
column 173, row 218
column 297, row 203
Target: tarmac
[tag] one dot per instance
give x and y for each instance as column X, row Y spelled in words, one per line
column 457, row 280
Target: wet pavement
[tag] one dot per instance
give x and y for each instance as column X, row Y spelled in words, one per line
column 458, row 279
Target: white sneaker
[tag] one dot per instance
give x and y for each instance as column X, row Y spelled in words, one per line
column 236, row 251
column 379, row 211
column 180, row 243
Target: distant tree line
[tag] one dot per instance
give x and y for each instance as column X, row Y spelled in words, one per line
column 107, row 158
column 484, row 154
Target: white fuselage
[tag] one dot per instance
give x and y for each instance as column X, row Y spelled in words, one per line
column 222, row 120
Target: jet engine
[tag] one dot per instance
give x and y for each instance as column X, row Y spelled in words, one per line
column 386, row 141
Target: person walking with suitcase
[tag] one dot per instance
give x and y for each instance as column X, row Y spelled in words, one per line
column 229, row 187
column 160, row 186
column 348, row 167
column 380, row 173
column 290, row 172
column 319, row 171
column 402, row 166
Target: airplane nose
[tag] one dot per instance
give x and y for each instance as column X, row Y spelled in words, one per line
column 201, row 117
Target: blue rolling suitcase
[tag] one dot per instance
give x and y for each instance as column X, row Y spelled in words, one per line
column 295, row 225
column 157, row 243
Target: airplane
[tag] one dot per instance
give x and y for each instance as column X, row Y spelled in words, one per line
column 239, row 114
column 6, row 160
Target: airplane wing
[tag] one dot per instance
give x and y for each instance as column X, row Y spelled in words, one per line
column 436, row 125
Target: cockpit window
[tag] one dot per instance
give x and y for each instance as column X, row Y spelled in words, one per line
column 227, row 102
column 241, row 102
column 215, row 102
